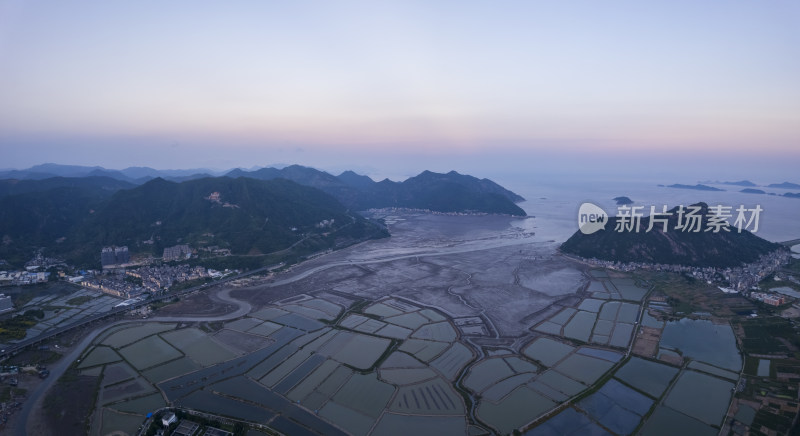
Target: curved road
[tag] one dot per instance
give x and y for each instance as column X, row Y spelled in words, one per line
column 36, row 396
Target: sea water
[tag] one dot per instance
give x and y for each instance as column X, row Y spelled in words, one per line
column 555, row 204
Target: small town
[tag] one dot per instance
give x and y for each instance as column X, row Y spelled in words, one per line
column 119, row 276
column 743, row 279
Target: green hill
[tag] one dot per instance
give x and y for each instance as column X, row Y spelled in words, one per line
column 44, row 219
column 248, row 216
column 451, row 192
column 702, row 249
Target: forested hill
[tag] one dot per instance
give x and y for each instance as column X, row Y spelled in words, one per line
column 246, row 215
column 674, row 247
column 450, row 192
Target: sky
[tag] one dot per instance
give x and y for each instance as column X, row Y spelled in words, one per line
column 682, row 88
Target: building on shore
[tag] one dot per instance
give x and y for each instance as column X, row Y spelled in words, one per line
column 177, row 252
column 5, row 304
column 114, row 256
column 771, row 299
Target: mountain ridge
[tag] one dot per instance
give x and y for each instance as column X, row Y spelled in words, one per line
column 700, row 249
column 74, row 216
column 450, row 192
column 354, row 190
column 249, row 216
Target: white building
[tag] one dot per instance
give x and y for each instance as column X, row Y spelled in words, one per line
column 168, row 419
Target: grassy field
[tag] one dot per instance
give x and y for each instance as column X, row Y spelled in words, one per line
column 7, row 392
column 769, row 335
column 687, row 295
column 77, row 301
column 17, row 327
column 70, row 402
column 765, row 335
column 776, row 337
column 34, row 357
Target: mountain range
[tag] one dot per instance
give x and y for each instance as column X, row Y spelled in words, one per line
column 247, row 216
column 249, row 212
column 136, row 175
column 451, row 192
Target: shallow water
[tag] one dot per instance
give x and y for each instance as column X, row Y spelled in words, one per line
column 705, row 341
column 700, row 396
column 763, row 367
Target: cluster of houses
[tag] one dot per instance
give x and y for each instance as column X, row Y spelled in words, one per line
column 23, row 277
column 156, row 278
column 771, row 299
column 177, row 252
column 152, row 279
column 740, row 279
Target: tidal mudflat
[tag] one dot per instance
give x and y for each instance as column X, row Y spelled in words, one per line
column 448, row 326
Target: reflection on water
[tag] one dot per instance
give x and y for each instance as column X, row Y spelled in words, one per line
column 705, row 341
column 419, row 234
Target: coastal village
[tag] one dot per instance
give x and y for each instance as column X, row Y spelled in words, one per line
column 744, row 279
column 119, row 276
column 125, row 279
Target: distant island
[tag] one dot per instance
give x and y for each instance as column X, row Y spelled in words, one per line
column 744, row 183
column 674, row 247
column 759, row 191
column 623, row 201
column 697, row 187
column 741, row 183
column 784, row 185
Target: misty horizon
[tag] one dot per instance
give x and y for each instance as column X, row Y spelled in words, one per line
column 395, row 88
column 483, row 168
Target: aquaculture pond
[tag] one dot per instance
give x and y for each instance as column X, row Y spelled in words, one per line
column 568, row 422
column 647, row 376
column 617, row 407
column 700, row 396
column 703, row 340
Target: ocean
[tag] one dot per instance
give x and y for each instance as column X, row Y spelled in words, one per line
column 555, row 204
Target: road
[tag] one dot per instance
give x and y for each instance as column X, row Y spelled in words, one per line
column 19, row 346
column 36, row 397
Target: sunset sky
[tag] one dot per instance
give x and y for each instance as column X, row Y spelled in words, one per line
column 398, row 86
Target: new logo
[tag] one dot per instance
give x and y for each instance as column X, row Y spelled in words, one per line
column 591, row 218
